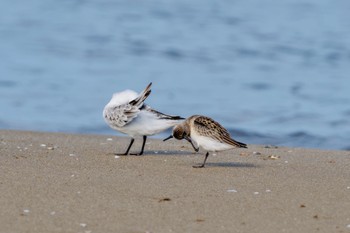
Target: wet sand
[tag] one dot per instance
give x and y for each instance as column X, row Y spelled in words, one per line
column 52, row 182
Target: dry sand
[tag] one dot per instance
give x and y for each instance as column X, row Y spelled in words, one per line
column 74, row 183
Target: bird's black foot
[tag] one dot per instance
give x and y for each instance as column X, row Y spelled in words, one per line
column 127, row 150
column 198, row 166
column 136, row 154
column 121, row 154
column 205, row 160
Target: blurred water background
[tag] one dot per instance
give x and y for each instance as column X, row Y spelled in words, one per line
column 272, row 72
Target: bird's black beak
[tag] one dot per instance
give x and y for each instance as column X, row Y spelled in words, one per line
column 171, row 136
column 188, row 139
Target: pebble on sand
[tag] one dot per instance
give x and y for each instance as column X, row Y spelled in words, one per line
column 232, row 191
column 26, row 211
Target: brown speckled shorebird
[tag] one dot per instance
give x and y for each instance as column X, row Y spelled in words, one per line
column 202, row 131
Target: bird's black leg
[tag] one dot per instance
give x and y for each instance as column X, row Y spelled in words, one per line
column 205, row 159
column 143, row 145
column 127, row 150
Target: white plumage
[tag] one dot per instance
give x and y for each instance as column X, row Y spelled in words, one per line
column 126, row 112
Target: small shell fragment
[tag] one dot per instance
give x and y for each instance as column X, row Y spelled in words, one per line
column 232, row 191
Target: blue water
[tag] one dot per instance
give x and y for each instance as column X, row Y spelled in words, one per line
column 272, row 72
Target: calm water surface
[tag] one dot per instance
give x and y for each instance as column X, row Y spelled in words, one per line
column 272, row 72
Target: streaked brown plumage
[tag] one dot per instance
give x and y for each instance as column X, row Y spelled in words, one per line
column 206, row 133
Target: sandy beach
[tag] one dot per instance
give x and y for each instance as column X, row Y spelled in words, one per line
column 53, row 182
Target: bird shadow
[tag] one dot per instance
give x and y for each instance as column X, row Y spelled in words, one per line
column 169, row 152
column 232, row 164
column 157, row 152
column 209, row 164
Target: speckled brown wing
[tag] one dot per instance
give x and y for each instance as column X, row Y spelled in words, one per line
column 210, row 128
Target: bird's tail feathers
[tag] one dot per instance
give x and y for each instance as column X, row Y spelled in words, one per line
column 236, row 143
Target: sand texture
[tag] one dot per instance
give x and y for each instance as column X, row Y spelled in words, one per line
column 52, row 182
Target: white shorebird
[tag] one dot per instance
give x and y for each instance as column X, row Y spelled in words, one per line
column 126, row 112
column 205, row 133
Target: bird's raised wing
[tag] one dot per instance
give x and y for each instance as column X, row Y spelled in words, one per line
column 123, row 114
column 138, row 102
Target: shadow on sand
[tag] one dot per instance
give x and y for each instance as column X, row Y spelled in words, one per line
column 231, row 164
column 208, row 164
column 169, row 152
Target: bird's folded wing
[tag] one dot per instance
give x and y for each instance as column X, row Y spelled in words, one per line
column 162, row 115
column 122, row 115
column 208, row 127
